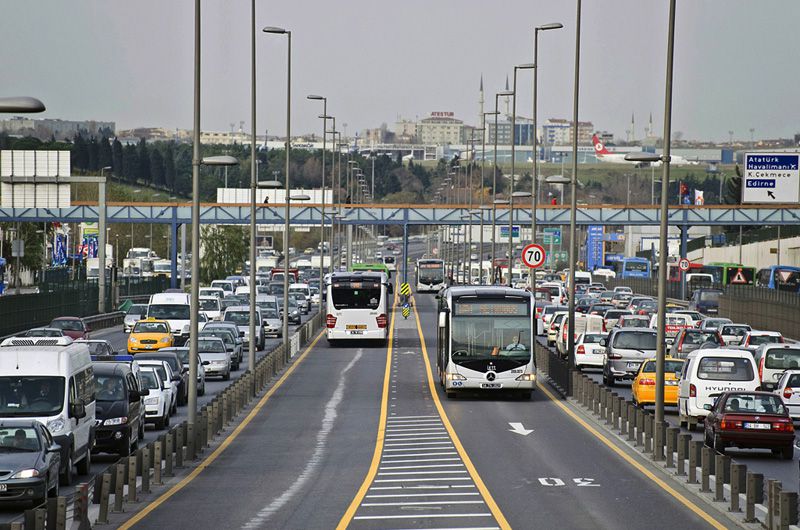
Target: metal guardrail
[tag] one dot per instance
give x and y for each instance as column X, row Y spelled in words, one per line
column 123, row 481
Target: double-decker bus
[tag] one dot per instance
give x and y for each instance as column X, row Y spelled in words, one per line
column 730, row 273
column 485, row 340
column 632, row 268
column 430, row 275
column 356, row 303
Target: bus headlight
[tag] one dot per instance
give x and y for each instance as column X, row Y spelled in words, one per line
column 456, row 377
column 526, row 377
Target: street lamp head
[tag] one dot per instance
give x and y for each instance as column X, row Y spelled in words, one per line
column 314, row 96
column 220, row 160
column 106, row 168
column 526, row 66
column 642, row 157
column 269, row 184
column 557, row 179
column 274, row 30
column 552, row 25
column 299, row 198
column 505, row 93
column 521, row 194
column 500, row 201
column 22, row 104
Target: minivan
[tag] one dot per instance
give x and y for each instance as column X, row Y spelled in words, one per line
column 175, row 309
column 774, row 359
column 51, row 380
column 708, row 373
column 120, row 408
column 626, row 349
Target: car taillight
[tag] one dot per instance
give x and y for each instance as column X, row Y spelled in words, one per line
column 647, row 381
column 581, row 350
column 330, row 321
column 783, row 426
column 692, row 391
column 642, row 312
column 761, row 368
column 614, row 356
column 787, row 392
column 381, row 320
column 727, row 425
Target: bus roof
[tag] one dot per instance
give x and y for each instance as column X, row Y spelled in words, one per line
column 357, row 276
column 489, row 291
column 369, row 267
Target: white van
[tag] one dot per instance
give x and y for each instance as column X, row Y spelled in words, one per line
column 225, row 285
column 301, row 288
column 210, row 306
column 175, row 309
column 708, row 373
column 583, row 324
column 51, row 380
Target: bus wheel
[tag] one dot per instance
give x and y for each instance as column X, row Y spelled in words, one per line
column 450, row 395
column 525, row 395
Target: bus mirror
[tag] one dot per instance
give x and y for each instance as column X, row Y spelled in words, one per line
column 390, row 288
column 442, row 319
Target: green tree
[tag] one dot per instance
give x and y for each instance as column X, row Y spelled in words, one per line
column 80, row 152
column 130, row 162
column 116, row 157
column 157, row 168
column 732, row 192
column 224, row 251
column 104, row 154
column 143, row 169
column 169, row 167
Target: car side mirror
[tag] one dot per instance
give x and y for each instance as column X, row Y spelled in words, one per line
column 176, row 378
column 603, row 342
column 205, row 363
column 144, row 392
column 55, row 448
column 77, row 410
column 707, row 407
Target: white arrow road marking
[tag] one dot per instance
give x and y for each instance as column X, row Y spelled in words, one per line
column 519, row 429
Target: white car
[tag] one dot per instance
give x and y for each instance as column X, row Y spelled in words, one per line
column 555, row 327
column 210, row 306
column 589, row 352
column 169, row 380
column 732, row 334
column 789, row 389
column 157, row 402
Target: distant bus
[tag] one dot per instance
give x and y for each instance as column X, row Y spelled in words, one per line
column 674, row 272
column 730, row 273
column 371, row 267
column 632, row 268
column 779, row 277
column 430, row 275
column 357, row 306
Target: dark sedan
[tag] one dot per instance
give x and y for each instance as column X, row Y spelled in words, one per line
column 750, row 420
column 30, row 460
column 177, row 368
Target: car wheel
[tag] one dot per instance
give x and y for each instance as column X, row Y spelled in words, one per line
column 166, row 420
column 54, row 490
column 227, row 376
column 85, row 465
column 159, row 424
column 65, row 478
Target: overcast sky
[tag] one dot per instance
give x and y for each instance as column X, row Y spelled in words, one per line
column 736, row 63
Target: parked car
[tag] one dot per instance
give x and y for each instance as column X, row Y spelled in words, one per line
column 135, row 313
column 707, row 375
column 120, row 412
column 691, row 339
column 175, row 364
column 157, row 402
column 749, row 420
column 72, row 327
column 705, row 301
column 643, row 388
column 732, row 334
column 588, row 351
column 183, row 354
column 626, row 349
column 774, row 359
column 213, row 351
column 30, row 460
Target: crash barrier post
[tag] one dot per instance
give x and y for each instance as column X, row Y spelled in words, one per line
column 648, row 433
column 145, row 471
column 168, row 451
column 672, row 444
column 722, row 476
column 683, row 452
column 787, row 509
column 659, row 431
column 119, row 485
column 695, row 446
column 179, row 444
column 773, row 504
column 706, row 468
column 81, row 507
column 56, row 513
column 132, row 479
column 105, row 491
column 755, row 495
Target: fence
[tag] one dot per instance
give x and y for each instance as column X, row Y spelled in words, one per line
column 762, row 308
column 125, row 480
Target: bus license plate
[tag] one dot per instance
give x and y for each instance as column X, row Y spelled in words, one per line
column 356, row 331
column 759, row 426
column 491, row 385
column 356, row 326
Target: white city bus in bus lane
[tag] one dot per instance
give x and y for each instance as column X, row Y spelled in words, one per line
column 356, row 304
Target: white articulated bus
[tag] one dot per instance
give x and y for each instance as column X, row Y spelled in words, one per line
column 357, row 304
column 485, row 340
column 430, row 275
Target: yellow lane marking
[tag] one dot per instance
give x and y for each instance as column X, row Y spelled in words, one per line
column 487, row 497
column 224, row 445
column 347, row 518
column 643, row 470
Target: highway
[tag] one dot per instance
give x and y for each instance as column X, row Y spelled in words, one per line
column 357, row 436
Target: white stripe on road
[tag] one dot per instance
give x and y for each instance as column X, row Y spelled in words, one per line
column 421, row 487
column 423, row 516
column 421, row 503
column 422, row 459
column 421, row 473
column 461, row 494
column 423, row 479
column 436, row 466
column 328, row 421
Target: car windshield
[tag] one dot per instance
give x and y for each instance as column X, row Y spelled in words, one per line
column 223, row 334
column 635, row 340
column 758, row 340
column 150, row 327
column 754, row 404
column 709, row 296
column 137, row 309
column 209, row 304
column 210, row 346
column 268, row 311
column 19, row 439
column 44, row 333
column 169, row 312
column 725, row 369
column 670, row 367
column 593, row 338
column 149, row 380
column 31, row 396
column 109, row 388
column 68, row 325
column 239, row 318
column 782, row 358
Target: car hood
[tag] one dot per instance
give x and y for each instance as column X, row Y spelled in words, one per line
column 111, row 409
column 213, row 356
column 73, row 334
column 273, row 322
column 18, row 460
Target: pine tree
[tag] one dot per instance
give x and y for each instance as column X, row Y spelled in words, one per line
column 143, row 170
column 169, row 167
column 130, row 162
column 157, row 168
column 104, row 157
column 93, row 150
column 116, row 157
column 80, row 153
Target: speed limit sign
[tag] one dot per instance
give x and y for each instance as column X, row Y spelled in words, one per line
column 533, row 255
column 683, row 264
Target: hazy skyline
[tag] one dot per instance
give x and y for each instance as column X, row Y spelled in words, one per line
column 131, row 62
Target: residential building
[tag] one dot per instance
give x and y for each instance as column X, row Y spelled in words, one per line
column 557, row 131
column 440, row 128
column 47, row 128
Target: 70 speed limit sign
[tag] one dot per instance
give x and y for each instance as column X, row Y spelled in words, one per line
column 533, row 255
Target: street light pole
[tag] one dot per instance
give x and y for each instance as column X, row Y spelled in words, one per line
column 573, row 244
column 251, row 351
column 494, row 182
column 513, row 166
column 325, row 118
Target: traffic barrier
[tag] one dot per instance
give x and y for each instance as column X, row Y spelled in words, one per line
column 706, row 468
column 695, row 446
column 132, row 479
column 157, row 459
column 787, row 509
column 119, row 485
column 145, row 472
column 179, row 443
column 81, row 507
column 648, row 433
column 722, row 475
column 672, row 444
column 738, row 484
column 35, row 518
column 169, row 449
column 56, row 513
column 105, row 492
column 658, row 440
column 754, row 495
column 774, row 488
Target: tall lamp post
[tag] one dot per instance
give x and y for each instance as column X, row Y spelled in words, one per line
column 664, row 212
column 534, row 153
column 513, row 167
column 251, row 350
column 281, row 31
column 325, row 119
column 494, row 177
column 573, row 207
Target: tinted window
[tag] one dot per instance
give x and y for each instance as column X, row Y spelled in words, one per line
column 635, row 340
column 238, row 317
column 209, row 304
column 670, row 367
column 366, row 297
column 782, row 358
column 754, row 404
column 109, row 388
column 710, row 296
column 725, row 369
column 19, row 439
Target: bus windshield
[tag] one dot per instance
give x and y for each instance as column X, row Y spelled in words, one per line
column 356, row 295
column 635, row 266
column 490, row 330
column 431, row 272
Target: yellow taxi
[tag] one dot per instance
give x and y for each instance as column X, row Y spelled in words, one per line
column 149, row 335
column 644, row 384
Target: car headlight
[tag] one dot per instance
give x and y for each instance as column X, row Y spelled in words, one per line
column 26, row 473
column 166, row 340
column 526, row 377
column 186, row 328
column 151, row 400
column 132, row 339
column 122, row 420
column 56, row 426
column 456, row 377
